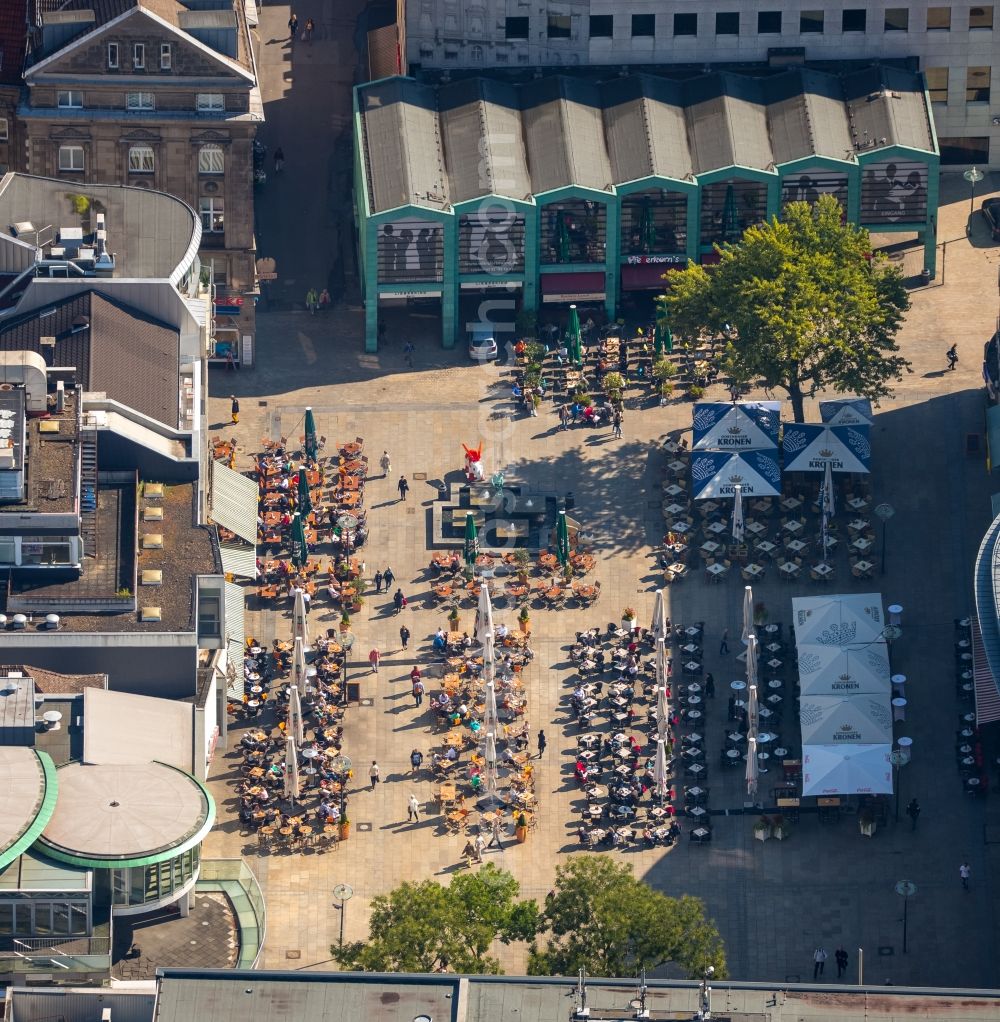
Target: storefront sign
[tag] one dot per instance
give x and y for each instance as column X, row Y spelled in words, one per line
column 409, row 294
column 649, row 260
column 594, row 296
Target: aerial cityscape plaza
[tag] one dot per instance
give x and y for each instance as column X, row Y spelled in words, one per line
column 498, row 511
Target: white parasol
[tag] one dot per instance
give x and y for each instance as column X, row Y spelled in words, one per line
column 737, row 513
column 295, row 728
column 659, row 623
column 491, row 763
column 752, row 765
column 747, row 613
column 660, row 780
column 484, row 615
column 489, row 660
column 491, row 720
column 298, row 678
column 291, row 770
column 300, row 626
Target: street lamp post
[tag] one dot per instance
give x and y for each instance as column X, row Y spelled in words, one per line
column 974, row 175
column 905, row 889
column 885, row 512
column 899, row 758
column 891, row 633
column 343, row 893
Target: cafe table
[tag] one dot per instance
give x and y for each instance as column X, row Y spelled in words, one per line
column 675, row 509
column 681, row 527
column 454, row 739
column 796, row 546
column 676, row 467
column 692, row 714
column 658, row 813
column 823, row 569
column 595, row 812
column 793, row 525
column 789, row 568
column 709, row 546
column 754, row 570
column 773, row 699
column 735, row 737
column 697, row 811
column 858, row 524
column 737, row 686
column 716, row 528
column 588, row 741
column 692, row 667
column 709, row 507
column 695, row 769
column 716, row 570
column 861, row 544
column 764, row 714
column 756, row 528
column 765, row 546
column 673, row 490
column 858, row 504
column 588, row 754
column 791, row 504
column 693, row 630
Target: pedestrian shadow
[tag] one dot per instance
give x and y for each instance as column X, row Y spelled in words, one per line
column 936, row 373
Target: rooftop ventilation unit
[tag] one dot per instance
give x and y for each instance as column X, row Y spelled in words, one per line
column 150, row 614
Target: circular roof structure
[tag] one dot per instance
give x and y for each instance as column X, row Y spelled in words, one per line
column 117, row 815
column 28, row 796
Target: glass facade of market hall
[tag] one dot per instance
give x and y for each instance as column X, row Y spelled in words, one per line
column 143, row 885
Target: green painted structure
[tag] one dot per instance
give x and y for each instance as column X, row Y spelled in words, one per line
column 564, row 190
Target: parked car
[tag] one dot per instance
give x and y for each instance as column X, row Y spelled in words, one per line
column 482, row 343
column 991, row 213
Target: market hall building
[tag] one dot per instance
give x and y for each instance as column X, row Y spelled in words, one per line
column 481, row 194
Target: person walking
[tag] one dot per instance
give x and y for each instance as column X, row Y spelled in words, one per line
column 378, row 581
column 965, row 872
column 416, row 758
column 953, row 357
column 310, row 28
column 234, row 408
column 480, row 846
column 913, row 811
column 388, row 578
column 324, row 300
column 841, row 958
column 293, row 25
column 403, row 486
column 398, row 600
column 404, row 635
column 709, row 686
column 373, row 658
column 418, row 692
column 413, row 810
column 563, row 417
column 542, row 742
column 616, row 422
column 408, row 351
column 374, row 775
column 496, row 833
column 385, row 464
column 312, row 300
column 819, row 962
column 724, row 643
column 279, row 160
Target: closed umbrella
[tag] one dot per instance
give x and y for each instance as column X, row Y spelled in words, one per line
column 659, row 624
column 738, row 513
column 660, row 779
column 491, row 763
column 662, row 711
column 829, row 504
column 751, row 765
column 300, row 623
column 747, row 613
column 304, row 504
column 663, row 340
column 484, row 615
column 489, row 660
column 752, row 708
column 753, row 655
column 575, row 345
column 295, row 728
column 299, row 664
column 291, row 770
column 491, row 719
column 300, row 549
column 562, row 539
column 471, row 543
column 311, row 442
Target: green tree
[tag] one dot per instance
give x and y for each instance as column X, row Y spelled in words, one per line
column 426, row 927
column 600, row 918
column 802, row 304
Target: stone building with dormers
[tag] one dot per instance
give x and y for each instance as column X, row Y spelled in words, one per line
column 156, row 94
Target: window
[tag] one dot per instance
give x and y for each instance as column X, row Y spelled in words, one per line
column 769, row 22
column 4, row 129
column 559, row 26
column 213, row 218
column 959, row 151
column 140, row 159
column 685, row 24
column 166, row 57
column 937, row 84
column 939, row 19
column 112, row 56
column 980, row 17
column 476, row 53
column 727, row 23
column 71, row 157
column 69, row 99
column 210, row 101
column 897, row 19
column 139, row 101
column 139, row 56
column 854, row 19
column 36, row 550
column 209, row 616
column 602, row 26
column 977, row 85
column 516, row 28
column 643, row 25
column 811, row 21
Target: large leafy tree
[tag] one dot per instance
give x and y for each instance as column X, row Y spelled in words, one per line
column 426, row 927
column 802, row 304
column 602, row 919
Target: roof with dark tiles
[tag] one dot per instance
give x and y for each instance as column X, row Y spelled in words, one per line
column 13, row 37
column 129, row 356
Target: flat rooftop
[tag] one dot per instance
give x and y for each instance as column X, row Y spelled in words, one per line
column 151, row 234
column 135, row 813
column 27, row 794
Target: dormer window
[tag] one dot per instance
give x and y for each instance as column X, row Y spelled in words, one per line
column 112, row 56
column 166, row 57
column 139, row 56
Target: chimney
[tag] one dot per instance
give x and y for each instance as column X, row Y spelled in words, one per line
column 60, row 396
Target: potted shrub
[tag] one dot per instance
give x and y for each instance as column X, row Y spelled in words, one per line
column 524, row 620
column 664, row 369
column 780, row 830
column 522, row 559
column 866, row 822
column 345, row 828
column 696, row 392
column 759, row 613
column 614, row 384
column 762, row 829
column 521, row 829
column 582, row 398
column 453, row 620
column 628, row 618
column 666, row 391
column 345, row 621
column 357, row 603
column 567, row 573
column 536, row 400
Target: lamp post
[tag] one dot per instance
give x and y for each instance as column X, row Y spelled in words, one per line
column 905, row 889
column 899, row 758
column 343, row 894
column 974, row 175
column 891, row 633
column 885, row 512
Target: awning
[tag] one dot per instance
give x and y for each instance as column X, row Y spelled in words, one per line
column 235, row 637
column 648, row 277
column 747, row 426
column 810, row 446
column 573, row 287
column 232, row 502
column 239, row 560
column 847, row 770
column 716, row 474
column 846, row 411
